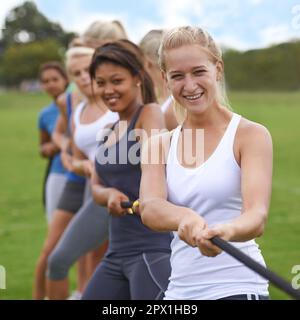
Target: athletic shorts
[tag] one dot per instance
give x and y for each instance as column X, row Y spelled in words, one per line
column 72, row 197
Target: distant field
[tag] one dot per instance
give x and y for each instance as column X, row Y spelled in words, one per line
column 22, row 221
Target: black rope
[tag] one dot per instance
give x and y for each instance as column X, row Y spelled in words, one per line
column 247, row 261
column 257, row 267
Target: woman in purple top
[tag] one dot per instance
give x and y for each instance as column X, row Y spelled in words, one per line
column 137, row 264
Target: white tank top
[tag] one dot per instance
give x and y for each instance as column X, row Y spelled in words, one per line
column 164, row 107
column 85, row 134
column 213, row 190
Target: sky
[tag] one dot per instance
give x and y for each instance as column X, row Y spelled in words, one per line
column 239, row 24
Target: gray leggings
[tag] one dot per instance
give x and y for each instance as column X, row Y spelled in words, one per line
column 87, row 231
column 144, row 276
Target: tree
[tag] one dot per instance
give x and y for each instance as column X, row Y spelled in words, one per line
column 273, row 68
column 22, row 61
column 25, row 24
column 28, row 39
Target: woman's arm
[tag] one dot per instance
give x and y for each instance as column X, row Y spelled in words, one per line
column 107, row 197
column 47, row 148
column 151, row 120
column 59, row 135
column 156, row 212
column 79, row 162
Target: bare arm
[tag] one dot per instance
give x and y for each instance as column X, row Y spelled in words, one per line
column 59, row 135
column 47, row 148
column 80, row 164
column 151, row 122
column 107, row 197
column 156, row 212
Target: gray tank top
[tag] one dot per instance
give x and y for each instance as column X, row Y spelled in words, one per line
column 127, row 234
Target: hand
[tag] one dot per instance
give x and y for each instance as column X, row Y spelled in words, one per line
column 66, row 160
column 190, row 228
column 206, row 247
column 135, row 208
column 87, row 167
column 114, row 203
column 48, row 150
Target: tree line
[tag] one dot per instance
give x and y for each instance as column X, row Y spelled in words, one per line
column 29, row 39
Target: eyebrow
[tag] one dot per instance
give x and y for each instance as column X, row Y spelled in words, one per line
column 195, row 68
column 112, row 76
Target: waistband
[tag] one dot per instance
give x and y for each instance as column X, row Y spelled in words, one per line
column 246, row 297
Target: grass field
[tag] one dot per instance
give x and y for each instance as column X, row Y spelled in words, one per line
column 23, row 224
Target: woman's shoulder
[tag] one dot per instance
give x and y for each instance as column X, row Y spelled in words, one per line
column 252, row 132
column 247, row 127
column 151, row 110
column 47, row 110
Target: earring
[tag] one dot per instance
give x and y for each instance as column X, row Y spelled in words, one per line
column 138, row 84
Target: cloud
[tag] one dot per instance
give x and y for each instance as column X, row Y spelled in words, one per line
column 178, row 12
column 229, row 22
column 233, row 42
column 256, row 2
column 276, row 34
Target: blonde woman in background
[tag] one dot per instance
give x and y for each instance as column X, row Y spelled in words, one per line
column 149, row 45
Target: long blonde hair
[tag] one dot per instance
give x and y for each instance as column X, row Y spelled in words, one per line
column 100, row 32
column 187, row 35
column 150, row 44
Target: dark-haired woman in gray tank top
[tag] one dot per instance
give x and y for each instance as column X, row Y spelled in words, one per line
column 137, row 263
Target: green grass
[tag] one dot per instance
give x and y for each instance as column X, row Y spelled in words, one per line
column 22, row 220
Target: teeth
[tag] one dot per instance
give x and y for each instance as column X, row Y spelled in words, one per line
column 194, row 97
column 112, row 99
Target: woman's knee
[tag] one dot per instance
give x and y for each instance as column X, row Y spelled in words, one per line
column 57, row 265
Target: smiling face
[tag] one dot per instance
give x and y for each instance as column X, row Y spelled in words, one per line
column 118, row 88
column 192, row 77
column 79, row 71
column 53, row 82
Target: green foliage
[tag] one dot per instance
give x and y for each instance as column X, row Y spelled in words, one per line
column 274, row 68
column 28, row 39
column 26, row 24
column 22, row 61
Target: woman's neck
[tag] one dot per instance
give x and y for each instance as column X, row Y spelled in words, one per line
column 127, row 114
column 210, row 117
column 96, row 102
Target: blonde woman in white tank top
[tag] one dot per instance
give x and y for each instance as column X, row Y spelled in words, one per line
column 224, row 191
